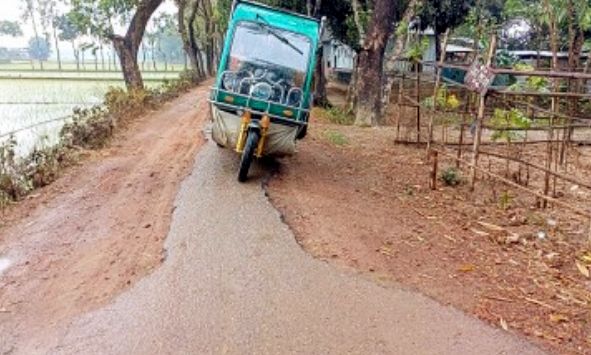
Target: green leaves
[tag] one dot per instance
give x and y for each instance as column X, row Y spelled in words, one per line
column 415, row 50
column 504, row 120
column 10, row 28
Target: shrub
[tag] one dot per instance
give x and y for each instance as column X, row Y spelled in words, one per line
column 451, row 176
column 90, row 128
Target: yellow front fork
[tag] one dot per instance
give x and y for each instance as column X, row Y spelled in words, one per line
column 265, row 124
column 241, row 142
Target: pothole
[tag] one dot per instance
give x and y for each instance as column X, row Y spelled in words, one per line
column 4, row 264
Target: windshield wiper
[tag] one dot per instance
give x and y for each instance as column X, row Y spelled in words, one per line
column 279, row 36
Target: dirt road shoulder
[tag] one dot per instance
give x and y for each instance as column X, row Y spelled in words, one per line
column 100, row 227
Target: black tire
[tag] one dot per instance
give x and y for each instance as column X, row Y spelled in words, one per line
column 302, row 133
column 252, row 143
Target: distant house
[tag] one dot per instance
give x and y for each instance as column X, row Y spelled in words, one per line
column 338, row 58
column 543, row 58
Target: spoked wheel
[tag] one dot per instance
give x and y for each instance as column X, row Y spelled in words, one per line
column 252, row 143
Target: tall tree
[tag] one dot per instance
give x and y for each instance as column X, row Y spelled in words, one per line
column 187, row 16
column 48, row 12
column 30, row 13
column 97, row 17
column 370, row 66
column 69, row 31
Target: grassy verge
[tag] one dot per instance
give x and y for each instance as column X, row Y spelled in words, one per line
column 90, row 128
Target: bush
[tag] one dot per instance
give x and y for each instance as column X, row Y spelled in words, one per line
column 90, row 128
column 124, row 103
column 451, row 176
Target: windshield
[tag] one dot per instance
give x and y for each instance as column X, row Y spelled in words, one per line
column 277, row 54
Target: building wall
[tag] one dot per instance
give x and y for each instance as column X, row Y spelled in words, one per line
column 338, row 56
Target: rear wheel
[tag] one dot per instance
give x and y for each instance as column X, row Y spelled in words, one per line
column 252, row 143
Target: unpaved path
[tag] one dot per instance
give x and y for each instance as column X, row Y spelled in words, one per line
column 236, row 282
column 100, row 228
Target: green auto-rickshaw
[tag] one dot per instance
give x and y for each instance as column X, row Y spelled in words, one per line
column 261, row 99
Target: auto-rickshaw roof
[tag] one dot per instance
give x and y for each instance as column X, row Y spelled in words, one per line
column 290, row 21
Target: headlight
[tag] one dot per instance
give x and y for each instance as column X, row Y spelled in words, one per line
column 228, row 82
column 262, row 91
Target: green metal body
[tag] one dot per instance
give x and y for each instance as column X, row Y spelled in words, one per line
column 247, row 11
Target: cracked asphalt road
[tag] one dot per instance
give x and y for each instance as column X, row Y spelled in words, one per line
column 236, row 282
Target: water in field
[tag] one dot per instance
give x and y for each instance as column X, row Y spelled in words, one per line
column 34, row 111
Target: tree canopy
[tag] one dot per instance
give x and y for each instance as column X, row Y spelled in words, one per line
column 10, row 28
column 39, row 48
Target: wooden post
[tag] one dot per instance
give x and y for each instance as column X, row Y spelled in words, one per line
column 554, row 104
column 435, row 155
column 399, row 102
column 418, row 98
column 467, row 112
column 436, row 88
column 461, row 143
column 480, row 118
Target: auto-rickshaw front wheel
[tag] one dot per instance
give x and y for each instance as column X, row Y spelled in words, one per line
column 252, row 142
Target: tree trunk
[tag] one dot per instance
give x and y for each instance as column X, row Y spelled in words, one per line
column 313, row 7
column 102, row 57
column 357, row 10
column 371, row 64
column 95, row 60
column 57, row 49
column 129, row 66
column 127, row 47
column 153, row 51
column 187, row 32
column 320, row 95
column 143, row 55
column 35, row 31
column 352, row 89
column 209, row 37
column 76, row 55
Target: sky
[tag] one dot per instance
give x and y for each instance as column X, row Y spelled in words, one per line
column 12, row 11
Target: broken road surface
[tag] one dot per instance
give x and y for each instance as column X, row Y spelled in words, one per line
column 235, row 282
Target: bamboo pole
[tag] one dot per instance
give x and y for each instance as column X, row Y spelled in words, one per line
column 541, row 168
column 399, row 106
column 436, row 88
column 435, row 155
column 418, row 98
column 480, row 117
column 554, row 103
column 580, row 212
column 514, row 72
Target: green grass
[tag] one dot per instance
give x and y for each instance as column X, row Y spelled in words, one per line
column 336, row 138
column 335, row 115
